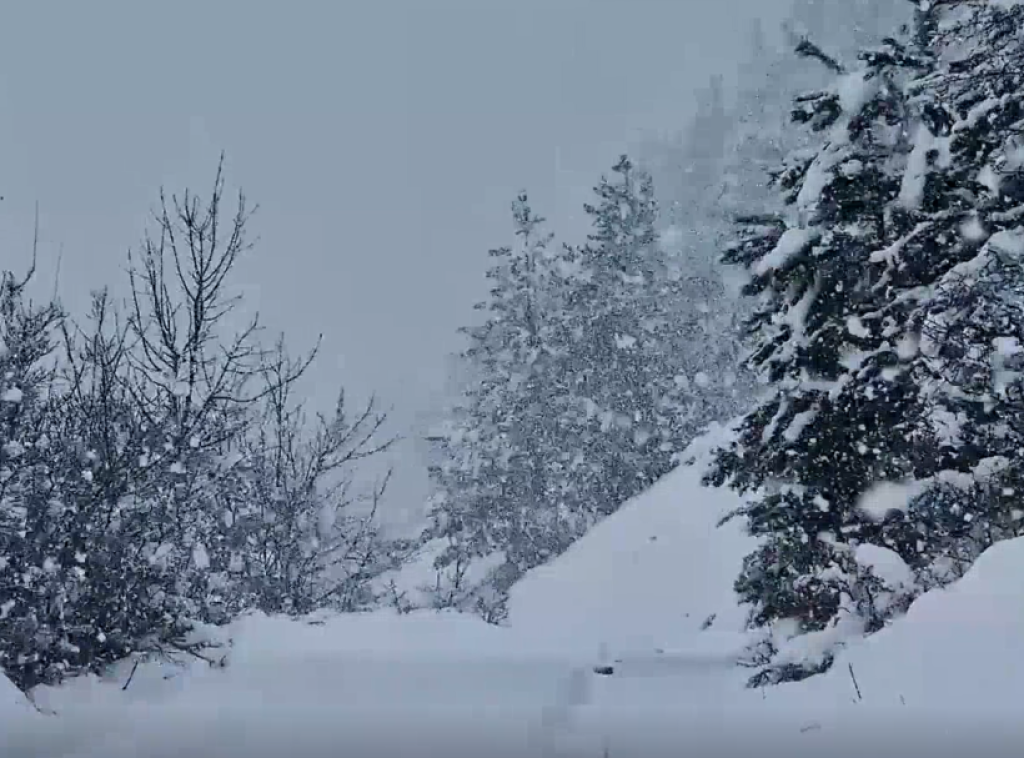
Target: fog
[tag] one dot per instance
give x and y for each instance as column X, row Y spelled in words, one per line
column 382, row 139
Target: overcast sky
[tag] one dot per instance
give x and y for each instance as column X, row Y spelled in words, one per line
column 382, row 139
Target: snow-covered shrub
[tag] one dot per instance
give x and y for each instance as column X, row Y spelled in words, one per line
column 155, row 473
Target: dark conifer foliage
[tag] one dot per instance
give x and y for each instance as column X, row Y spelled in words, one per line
column 887, row 291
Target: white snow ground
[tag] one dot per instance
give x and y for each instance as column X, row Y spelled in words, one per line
column 648, row 576
column 948, row 675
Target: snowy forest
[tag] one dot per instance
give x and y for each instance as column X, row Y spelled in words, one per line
column 829, row 260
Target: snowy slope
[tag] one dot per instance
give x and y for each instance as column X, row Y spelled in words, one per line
column 958, row 652
column 15, row 709
column 647, row 576
column 950, row 672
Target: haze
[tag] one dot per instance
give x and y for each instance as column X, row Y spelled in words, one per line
column 382, row 139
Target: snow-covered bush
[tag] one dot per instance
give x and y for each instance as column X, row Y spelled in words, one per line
column 155, row 472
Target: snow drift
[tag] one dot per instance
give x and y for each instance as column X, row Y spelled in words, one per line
column 948, row 677
column 650, row 575
column 425, row 682
column 14, row 706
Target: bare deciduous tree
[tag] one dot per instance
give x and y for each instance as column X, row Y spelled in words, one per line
column 159, row 472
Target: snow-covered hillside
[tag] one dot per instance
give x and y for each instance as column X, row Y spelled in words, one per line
column 650, row 575
column 633, row 595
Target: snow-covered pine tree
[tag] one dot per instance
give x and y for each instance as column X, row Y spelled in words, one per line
column 757, row 138
column 500, row 479
column 972, row 324
column 880, row 221
column 623, row 409
column 845, row 27
column 702, row 350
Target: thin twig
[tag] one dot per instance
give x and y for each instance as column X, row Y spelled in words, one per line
column 131, row 675
column 856, row 686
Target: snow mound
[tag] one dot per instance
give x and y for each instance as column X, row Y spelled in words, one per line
column 648, row 576
column 14, row 706
column 957, row 651
column 22, row 726
column 948, row 677
column 423, row 683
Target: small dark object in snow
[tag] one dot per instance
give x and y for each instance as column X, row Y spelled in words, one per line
column 654, row 538
column 604, row 670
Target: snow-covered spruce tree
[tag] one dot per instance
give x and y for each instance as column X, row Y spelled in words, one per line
column 877, row 218
column 970, row 326
column 452, row 467
column 624, row 417
column 702, row 351
column 847, row 27
column 501, row 470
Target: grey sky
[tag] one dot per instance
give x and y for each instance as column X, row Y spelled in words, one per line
column 382, row 139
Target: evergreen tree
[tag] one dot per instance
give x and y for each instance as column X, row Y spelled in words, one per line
column 623, row 407
column 886, row 227
column 846, row 27
column 706, row 306
column 501, row 474
column 970, row 328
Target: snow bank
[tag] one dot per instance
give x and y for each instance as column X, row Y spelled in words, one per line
column 358, row 684
column 23, row 728
column 957, row 652
column 14, row 706
column 948, row 677
column 648, row 576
